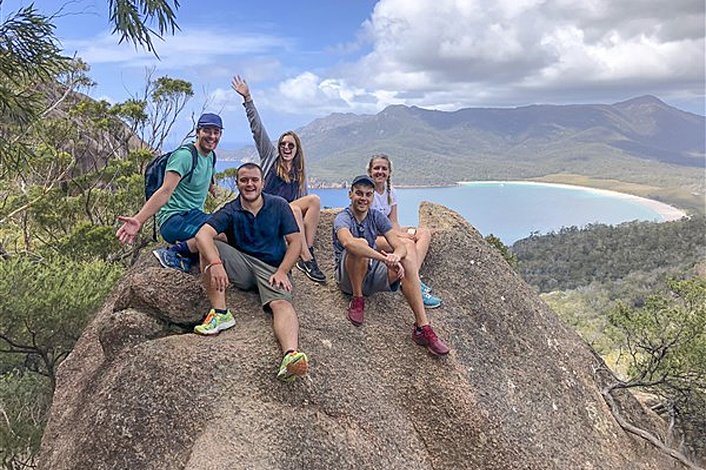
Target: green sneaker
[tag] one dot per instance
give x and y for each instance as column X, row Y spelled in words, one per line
column 214, row 323
column 295, row 364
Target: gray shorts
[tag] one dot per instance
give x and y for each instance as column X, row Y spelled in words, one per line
column 375, row 279
column 247, row 272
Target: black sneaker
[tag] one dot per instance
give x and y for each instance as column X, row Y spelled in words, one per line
column 312, row 271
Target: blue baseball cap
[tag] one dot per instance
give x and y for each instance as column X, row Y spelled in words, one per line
column 209, row 120
column 363, row 179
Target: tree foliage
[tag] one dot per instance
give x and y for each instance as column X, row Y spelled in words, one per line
column 504, row 250
column 622, row 295
column 45, row 304
column 24, row 402
column 576, row 257
column 133, row 19
column 29, row 54
column 664, row 343
column 152, row 115
column 68, row 166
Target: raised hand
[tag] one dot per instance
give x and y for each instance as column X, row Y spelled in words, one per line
column 241, row 87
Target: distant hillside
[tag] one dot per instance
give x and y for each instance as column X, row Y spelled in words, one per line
column 577, row 257
column 640, row 141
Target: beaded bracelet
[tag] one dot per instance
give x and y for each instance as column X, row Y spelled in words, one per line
column 217, row 262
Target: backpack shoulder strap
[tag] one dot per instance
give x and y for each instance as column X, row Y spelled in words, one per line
column 194, row 159
column 213, row 175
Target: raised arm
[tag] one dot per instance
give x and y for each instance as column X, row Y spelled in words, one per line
column 263, row 143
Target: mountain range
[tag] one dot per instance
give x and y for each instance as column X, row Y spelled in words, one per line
column 642, row 140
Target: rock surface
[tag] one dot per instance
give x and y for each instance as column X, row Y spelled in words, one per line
column 518, row 391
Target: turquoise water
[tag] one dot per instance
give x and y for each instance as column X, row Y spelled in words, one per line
column 510, row 210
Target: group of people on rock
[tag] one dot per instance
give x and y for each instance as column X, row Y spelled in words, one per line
column 255, row 240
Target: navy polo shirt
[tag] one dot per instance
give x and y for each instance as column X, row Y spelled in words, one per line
column 260, row 236
column 374, row 224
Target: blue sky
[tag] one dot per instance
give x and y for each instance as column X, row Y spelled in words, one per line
column 308, row 59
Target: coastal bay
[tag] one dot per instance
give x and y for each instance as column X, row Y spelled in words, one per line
column 512, row 210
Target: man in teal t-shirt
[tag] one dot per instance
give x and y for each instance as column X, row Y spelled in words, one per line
column 179, row 202
column 190, row 193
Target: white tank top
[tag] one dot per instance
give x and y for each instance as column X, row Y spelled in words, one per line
column 380, row 202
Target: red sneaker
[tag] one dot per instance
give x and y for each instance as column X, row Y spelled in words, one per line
column 356, row 310
column 425, row 336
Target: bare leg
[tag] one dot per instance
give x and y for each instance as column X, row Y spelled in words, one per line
column 285, row 325
column 304, row 253
column 422, row 242
column 191, row 242
column 356, row 267
column 412, row 291
column 382, row 245
column 310, row 207
column 216, row 297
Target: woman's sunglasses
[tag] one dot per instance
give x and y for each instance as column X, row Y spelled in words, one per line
column 287, row 145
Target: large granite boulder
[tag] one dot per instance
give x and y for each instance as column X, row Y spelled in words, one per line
column 518, row 391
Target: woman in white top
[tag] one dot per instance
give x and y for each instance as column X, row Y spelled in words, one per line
column 417, row 239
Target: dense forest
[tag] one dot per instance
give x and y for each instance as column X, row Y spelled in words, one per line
column 576, row 257
column 636, row 292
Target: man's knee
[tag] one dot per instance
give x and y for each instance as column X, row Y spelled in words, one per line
column 355, row 261
column 408, row 244
column 423, row 232
column 281, row 306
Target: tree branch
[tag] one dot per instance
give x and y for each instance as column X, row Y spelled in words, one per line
column 649, row 437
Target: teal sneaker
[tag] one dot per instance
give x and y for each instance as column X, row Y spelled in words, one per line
column 214, row 323
column 430, row 301
column 295, row 364
column 425, row 288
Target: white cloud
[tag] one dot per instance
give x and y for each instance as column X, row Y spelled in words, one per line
column 191, row 47
column 446, row 53
column 310, row 94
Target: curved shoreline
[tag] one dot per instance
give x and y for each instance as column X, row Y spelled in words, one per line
column 667, row 212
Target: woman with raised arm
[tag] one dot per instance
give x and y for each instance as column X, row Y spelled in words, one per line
column 415, row 239
column 284, row 174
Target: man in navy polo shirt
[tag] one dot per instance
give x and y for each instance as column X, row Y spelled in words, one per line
column 362, row 270
column 263, row 245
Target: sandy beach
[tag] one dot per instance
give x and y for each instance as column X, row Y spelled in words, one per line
column 667, row 212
